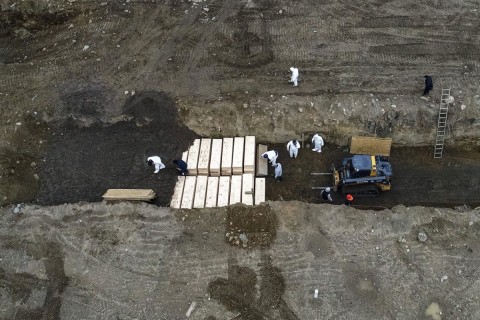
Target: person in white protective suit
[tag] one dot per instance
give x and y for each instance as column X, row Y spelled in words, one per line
column 294, row 77
column 292, row 148
column 317, row 142
column 278, row 172
column 271, row 156
column 154, row 160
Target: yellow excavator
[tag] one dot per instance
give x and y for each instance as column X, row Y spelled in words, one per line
column 367, row 172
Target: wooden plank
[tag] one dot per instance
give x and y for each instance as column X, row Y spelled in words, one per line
column 238, row 150
column 204, row 156
column 236, row 189
column 188, row 192
column 177, row 193
column 212, row 192
column 129, row 194
column 192, row 160
column 200, row 192
column 262, row 163
column 227, row 156
column 248, row 189
column 216, row 157
column 223, row 198
column 185, row 156
column 371, row 146
column 259, row 190
column 249, row 157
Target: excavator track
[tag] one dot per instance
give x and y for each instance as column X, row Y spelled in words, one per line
column 361, row 191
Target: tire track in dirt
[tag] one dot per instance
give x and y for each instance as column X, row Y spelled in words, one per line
column 191, row 78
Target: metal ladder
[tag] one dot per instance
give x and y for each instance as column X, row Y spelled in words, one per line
column 441, row 125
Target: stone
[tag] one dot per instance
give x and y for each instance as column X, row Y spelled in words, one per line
column 463, row 107
column 444, row 278
column 86, row 47
column 36, row 177
column 243, row 237
column 422, row 236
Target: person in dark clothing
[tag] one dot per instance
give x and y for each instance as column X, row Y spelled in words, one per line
column 428, row 85
column 349, row 200
column 181, row 167
column 327, row 195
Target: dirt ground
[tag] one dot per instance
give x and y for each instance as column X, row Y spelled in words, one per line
column 126, row 261
column 89, row 89
column 418, row 179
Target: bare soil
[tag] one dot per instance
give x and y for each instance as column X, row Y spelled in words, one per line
column 89, row 89
column 418, row 179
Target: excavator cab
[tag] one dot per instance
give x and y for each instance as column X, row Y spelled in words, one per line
column 364, row 174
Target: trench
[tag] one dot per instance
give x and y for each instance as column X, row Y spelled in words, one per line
column 81, row 163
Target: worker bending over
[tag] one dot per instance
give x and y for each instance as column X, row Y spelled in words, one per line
column 272, row 156
column 292, row 148
column 155, row 160
column 181, row 167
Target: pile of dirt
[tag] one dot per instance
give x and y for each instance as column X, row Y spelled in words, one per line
column 251, row 226
column 81, row 163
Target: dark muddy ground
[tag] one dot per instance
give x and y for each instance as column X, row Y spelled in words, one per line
column 418, row 178
column 80, row 164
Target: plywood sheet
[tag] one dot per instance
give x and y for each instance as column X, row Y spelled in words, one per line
column 249, row 156
column 259, row 190
column 227, row 156
column 192, row 160
column 178, row 193
column 262, row 163
column 188, row 192
column 129, row 194
column 236, row 189
column 247, row 189
column 238, row 150
column 200, row 192
column 223, row 198
column 216, row 157
column 212, row 192
column 204, row 156
column 371, row 146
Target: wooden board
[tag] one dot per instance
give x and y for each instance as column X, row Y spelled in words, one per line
column 223, row 198
column 204, row 157
column 178, row 193
column 259, row 190
column 129, row 194
column 185, row 156
column 236, row 189
column 188, row 192
column 192, row 160
column 212, row 192
column 371, row 146
column 238, row 150
column 227, row 156
column 216, row 157
column 248, row 189
column 200, row 192
column 262, row 163
column 249, row 156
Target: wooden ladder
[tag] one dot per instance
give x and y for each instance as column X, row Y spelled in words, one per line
column 441, row 124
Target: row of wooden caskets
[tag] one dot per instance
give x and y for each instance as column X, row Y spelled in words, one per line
column 222, row 172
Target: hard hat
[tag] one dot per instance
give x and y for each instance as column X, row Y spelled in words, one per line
column 327, row 189
column 349, row 197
